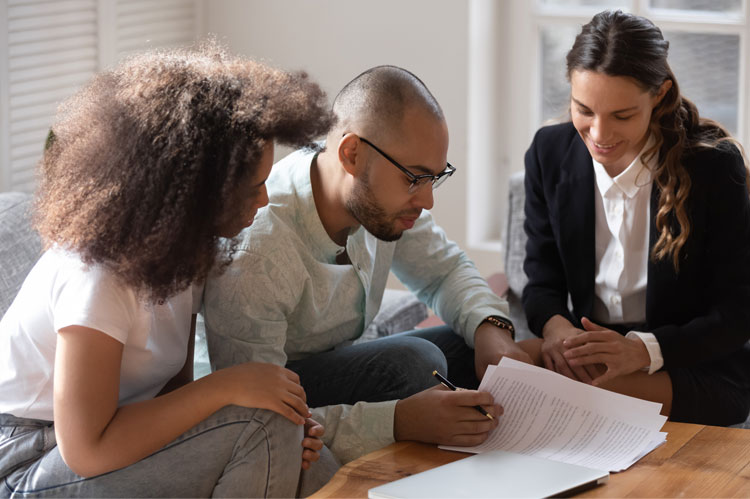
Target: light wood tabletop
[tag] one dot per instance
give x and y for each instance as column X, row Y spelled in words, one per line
column 696, row 461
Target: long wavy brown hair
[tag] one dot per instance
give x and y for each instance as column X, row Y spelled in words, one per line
column 619, row 44
column 145, row 158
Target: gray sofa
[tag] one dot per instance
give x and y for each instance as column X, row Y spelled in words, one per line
column 20, row 246
column 514, row 246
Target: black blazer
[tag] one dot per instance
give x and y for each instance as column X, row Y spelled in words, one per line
column 701, row 313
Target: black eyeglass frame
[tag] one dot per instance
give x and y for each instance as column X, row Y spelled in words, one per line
column 417, row 181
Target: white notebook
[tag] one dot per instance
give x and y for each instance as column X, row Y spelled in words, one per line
column 494, row 474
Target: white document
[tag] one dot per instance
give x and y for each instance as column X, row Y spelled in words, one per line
column 550, row 416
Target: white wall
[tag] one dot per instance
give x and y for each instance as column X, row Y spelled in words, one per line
column 335, row 40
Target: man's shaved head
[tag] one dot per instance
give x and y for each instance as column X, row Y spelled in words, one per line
column 374, row 103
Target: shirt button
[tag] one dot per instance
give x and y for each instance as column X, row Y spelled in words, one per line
column 615, row 300
column 359, row 267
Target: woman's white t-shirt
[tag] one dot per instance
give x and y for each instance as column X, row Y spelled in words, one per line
column 62, row 291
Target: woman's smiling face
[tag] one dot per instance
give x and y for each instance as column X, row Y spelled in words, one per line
column 612, row 116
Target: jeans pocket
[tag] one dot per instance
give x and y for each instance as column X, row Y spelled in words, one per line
column 21, row 444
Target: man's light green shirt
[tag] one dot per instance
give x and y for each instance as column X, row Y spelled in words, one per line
column 284, row 297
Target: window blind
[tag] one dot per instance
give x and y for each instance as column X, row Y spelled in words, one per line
column 54, row 47
column 52, row 51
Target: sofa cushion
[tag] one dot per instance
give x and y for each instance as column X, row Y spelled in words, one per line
column 400, row 311
column 515, row 253
column 515, row 236
column 20, row 245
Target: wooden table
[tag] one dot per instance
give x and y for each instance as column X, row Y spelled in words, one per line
column 696, row 461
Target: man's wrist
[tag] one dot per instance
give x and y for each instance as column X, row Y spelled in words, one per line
column 501, row 323
column 396, row 423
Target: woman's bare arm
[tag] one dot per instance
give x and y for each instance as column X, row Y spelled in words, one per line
column 95, row 436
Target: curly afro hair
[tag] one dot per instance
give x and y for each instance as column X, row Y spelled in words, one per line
column 144, row 159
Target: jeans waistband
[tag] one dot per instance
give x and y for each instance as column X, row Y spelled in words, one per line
column 11, row 420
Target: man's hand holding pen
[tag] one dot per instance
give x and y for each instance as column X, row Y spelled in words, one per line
column 444, row 381
column 442, row 416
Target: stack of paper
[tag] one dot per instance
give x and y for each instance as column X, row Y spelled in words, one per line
column 550, row 416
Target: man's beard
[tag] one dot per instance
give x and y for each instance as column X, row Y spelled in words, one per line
column 371, row 216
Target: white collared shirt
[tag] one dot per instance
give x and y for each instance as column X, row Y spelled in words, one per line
column 622, row 214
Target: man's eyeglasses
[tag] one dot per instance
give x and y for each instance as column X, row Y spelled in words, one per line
column 416, row 181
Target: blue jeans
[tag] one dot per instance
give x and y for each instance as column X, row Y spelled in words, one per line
column 390, row 368
column 236, row 452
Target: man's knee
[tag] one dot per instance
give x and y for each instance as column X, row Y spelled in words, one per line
column 410, row 362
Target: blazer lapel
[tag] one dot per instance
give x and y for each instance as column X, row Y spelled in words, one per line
column 575, row 207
